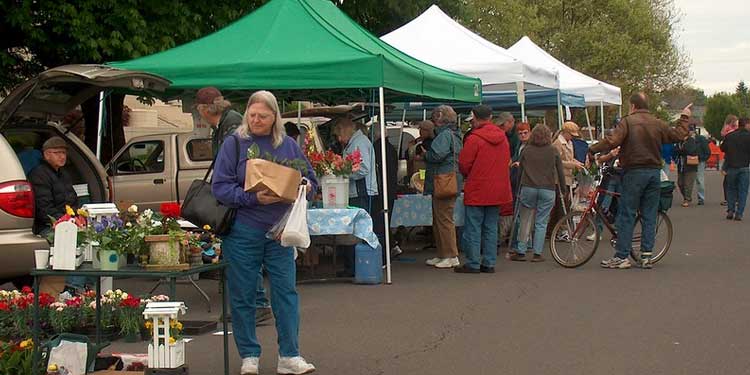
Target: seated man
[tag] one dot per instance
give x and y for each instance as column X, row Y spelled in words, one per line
column 53, row 187
column 53, row 190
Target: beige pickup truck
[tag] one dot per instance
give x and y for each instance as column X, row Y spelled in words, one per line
column 159, row 168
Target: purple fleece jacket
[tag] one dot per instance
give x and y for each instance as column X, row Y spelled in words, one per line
column 228, row 179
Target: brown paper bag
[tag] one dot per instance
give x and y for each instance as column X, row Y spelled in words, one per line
column 262, row 174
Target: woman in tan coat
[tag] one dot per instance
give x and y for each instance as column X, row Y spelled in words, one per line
column 563, row 143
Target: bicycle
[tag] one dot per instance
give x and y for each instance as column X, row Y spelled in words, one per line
column 575, row 238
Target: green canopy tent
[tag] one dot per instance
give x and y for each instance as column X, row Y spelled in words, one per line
column 310, row 48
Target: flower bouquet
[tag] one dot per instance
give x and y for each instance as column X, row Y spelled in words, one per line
column 333, row 171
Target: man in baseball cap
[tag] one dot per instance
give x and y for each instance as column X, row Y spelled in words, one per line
column 217, row 112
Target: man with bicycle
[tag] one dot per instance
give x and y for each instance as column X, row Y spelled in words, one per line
column 639, row 136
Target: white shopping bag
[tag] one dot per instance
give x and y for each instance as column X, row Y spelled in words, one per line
column 664, row 176
column 295, row 232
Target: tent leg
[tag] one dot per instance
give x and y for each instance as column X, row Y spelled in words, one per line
column 523, row 112
column 99, row 127
column 299, row 113
column 387, row 245
column 601, row 112
column 559, row 111
column 424, row 115
column 588, row 121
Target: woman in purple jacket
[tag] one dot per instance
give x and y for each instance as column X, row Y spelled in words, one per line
column 246, row 247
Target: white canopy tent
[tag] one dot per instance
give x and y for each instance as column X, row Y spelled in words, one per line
column 595, row 92
column 438, row 40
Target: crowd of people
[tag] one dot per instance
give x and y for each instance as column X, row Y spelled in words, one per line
column 503, row 169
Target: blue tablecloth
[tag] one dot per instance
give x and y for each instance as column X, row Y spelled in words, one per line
column 415, row 210
column 354, row 221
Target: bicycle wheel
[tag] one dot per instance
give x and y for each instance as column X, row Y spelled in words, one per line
column 662, row 241
column 568, row 241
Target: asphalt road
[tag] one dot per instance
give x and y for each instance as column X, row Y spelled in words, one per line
column 686, row 316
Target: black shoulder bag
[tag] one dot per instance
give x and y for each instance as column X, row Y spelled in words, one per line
column 201, row 208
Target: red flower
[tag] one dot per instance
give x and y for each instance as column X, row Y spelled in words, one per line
column 26, row 290
column 45, row 299
column 132, row 302
column 4, row 306
column 89, row 294
column 170, row 210
column 74, row 302
column 21, row 303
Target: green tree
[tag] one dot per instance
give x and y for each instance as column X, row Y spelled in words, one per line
column 41, row 34
column 717, row 109
column 383, row 16
column 743, row 94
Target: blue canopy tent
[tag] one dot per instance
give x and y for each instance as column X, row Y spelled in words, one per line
column 499, row 101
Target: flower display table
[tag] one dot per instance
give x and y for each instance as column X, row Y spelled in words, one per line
column 132, row 272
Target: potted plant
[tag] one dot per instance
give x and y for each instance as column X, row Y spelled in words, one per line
column 130, row 318
column 333, row 172
column 165, row 236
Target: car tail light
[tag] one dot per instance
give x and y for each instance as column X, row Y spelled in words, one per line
column 17, row 198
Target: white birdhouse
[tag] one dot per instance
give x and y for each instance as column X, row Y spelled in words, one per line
column 65, row 254
column 162, row 353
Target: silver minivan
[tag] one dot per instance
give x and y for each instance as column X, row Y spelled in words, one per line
column 31, row 114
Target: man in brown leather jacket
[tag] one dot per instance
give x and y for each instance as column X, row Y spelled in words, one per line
column 640, row 136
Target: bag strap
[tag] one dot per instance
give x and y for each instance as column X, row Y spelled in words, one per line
column 211, row 167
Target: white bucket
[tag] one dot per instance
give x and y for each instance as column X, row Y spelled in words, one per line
column 335, row 191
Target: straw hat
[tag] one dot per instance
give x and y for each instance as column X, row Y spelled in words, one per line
column 571, row 128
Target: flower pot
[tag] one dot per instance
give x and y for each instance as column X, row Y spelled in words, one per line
column 162, row 251
column 109, row 260
column 335, row 191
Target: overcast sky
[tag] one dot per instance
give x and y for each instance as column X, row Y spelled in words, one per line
column 716, row 35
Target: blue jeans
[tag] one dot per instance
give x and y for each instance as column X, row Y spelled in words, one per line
column 606, row 199
column 246, row 250
column 542, row 200
column 737, row 180
column 700, row 180
column 480, row 235
column 261, row 301
column 640, row 191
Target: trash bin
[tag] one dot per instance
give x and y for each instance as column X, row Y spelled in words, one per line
column 369, row 264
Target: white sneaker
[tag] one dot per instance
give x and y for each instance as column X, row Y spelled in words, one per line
column 249, row 366
column 433, row 261
column 294, row 366
column 447, row 263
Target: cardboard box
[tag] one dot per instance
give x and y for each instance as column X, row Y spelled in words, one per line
column 262, row 174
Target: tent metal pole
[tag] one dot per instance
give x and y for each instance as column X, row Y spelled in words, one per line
column 619, row 109
column 601, row 113
column 559, row 111
column 99, row 127
column 299, row 113
column 383, row 134
column 523, row 112
column 403, row 116
column 588, row 121
column 424, row 115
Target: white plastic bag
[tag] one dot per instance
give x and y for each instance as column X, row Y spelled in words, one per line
column 664, row 176
column 295, row 232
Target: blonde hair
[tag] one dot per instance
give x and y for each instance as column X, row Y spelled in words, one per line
column 268, row 99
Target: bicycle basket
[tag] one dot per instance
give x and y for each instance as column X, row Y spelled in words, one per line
column 666, row 195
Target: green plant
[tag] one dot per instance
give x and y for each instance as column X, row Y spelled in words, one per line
column 130, row 317
column 253, row 152
column 16, row 358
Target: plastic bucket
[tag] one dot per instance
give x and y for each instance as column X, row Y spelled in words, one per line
column 369, row 264
column 335, row 191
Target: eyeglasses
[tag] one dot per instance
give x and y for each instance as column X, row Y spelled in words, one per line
column 261, row 116
column 523, row 132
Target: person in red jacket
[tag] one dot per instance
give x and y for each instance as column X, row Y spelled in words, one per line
column 486, row 188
